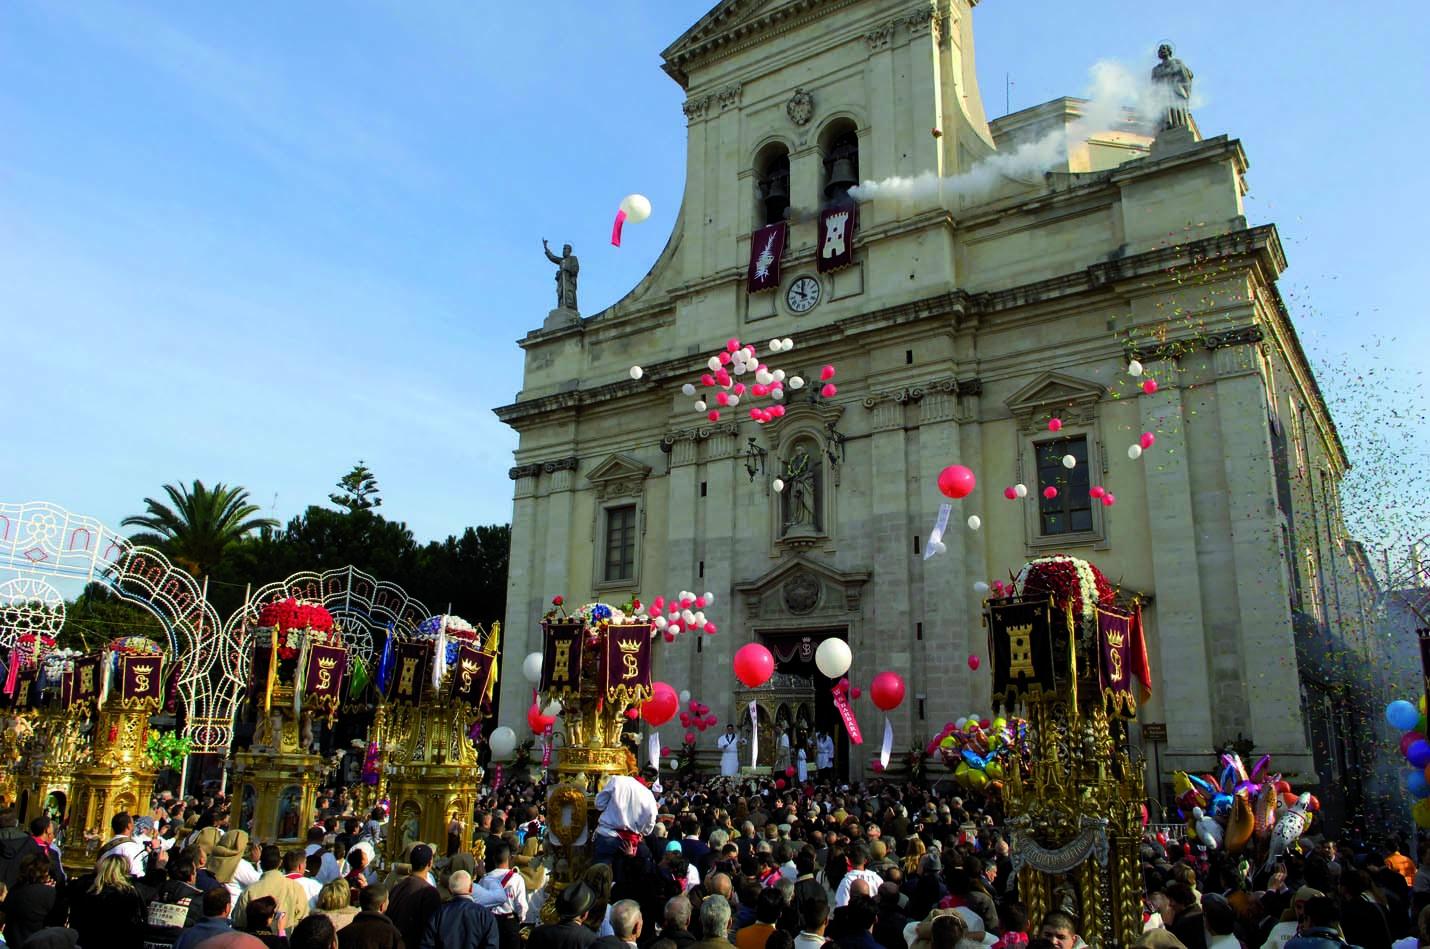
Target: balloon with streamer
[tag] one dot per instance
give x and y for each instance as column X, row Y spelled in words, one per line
column 634, row 208
column 935, row 543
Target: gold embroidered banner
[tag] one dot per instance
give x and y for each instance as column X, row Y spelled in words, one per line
column 323, row 684
column 1020, row 639
column 1115, row 635
column 412, row 663
column 561, row 660
column 472, row 675
column 141, row 681
column 625, row 664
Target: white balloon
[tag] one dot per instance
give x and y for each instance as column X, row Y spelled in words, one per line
column 1134, row 452
column 1069, row 462
column 779, row 485
column 788, row 344
column 687, row 389
column 777, row 394
column 684, row 696
column 833, row 657
column 687, row 617
column 939, row 547
column 1134, row 368
column 796, row 382
column 734, row 400
column 636, row 206
column 709, row 598
column 778, row 375
column 775, row 346
column 700, row 405
column 637, row 372
column 960, row 723
column 714, row 363
column 672, row 764
column 660, row 622
column 531, row 668
column 764, row 377
column 737, row 369
column 553, row 709
column 502, row 741
column 1021, row 490
column 974, row 522
column 980, row 587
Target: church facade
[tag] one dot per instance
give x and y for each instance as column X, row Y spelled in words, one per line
column 959, row 326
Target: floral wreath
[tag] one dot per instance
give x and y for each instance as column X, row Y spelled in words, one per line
column 1073, row 584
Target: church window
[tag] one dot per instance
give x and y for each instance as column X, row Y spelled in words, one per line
column 1070, row 511
column 839, row 144
column 1313, row 586
column 620, row 543
column 772, row 184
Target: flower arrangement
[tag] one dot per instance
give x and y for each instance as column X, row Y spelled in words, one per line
column 166, row 750
column 1071, row 583
column 457, row 630
column 57, row 662
column 134, row 646
column 290, row 619
column 686, row 755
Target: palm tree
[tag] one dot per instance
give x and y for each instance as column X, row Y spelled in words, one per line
column 199, row 525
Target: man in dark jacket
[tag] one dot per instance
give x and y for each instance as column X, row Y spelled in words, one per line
column 1320, row 927
column 889, row 930
column 370, row 929
column 697, row 852
column 1362, row 918
column 413, row 901
column 14, row 844
column 572, row 905
column 461, row 923
column 676, row 927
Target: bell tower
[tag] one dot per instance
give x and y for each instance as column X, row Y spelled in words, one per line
column 792, row 102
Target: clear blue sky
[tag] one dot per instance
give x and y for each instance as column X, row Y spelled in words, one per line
column 255, row 242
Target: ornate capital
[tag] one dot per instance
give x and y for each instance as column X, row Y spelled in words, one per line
column 559, row 464
column 1238, row 337
column 880, row 37
column 695, row 107
column 523, row 471
column 728, row 96
column 697, row 434
column 913, row 394
column 925, row 21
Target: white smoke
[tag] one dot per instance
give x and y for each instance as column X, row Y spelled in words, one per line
column 1114, row 92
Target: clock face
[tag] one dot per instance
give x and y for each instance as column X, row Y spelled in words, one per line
column 802, row 295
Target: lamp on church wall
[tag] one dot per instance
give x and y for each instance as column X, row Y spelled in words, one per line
column 834, row 441
column 754, row 459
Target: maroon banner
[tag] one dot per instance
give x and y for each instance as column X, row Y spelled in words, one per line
column 1114, row 646
column 767, row 246
column 83, row 680
column 561, row 660
column 411, row 664
column 141, row 680
column 625, row 664
column 25, row 689
column 836, row 237
column 472, row 675
column 323, row 684
column 841, row 702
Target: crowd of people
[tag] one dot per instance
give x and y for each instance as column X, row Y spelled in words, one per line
column 713, row 863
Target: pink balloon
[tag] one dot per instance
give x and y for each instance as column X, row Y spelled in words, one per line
column 778, row 411
column 658, row 601
column 738, row 388
column 759, row 390
column 707, row 380
column 724, row 359
column 974, row 662
column 754, row 664
column 1055, row 424
column 756, row 414
column 1097, row 491
column 829, row 391
column 1149, row 386
column 710, row 628
column 887, row 690
column 1050, row 492
column 722, row 399
column 713, row 415
column 668, row 636
column 731, row 345
column 956, row 481
column 690, row 738
column 698, row 603
column 1108, row 500
column 826, row 374
column 1010, row 493
column 722, row 377
column 1147, row 440
column 855, row 692
column 685, row 602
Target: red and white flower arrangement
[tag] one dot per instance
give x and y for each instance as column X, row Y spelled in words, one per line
column 1069, row 581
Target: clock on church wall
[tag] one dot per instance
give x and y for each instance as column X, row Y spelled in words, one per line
column 802, row 294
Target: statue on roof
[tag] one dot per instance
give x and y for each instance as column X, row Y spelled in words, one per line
column 567, row 269
column 1174, row 83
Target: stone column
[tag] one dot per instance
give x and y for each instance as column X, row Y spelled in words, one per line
column 674, row 565
column 1268, row 645
column 731, row 524
column 1175, row 621
column 889, row 539
column 524, row 600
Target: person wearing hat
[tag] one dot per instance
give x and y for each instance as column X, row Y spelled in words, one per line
column 413, row 900
column 975, row 929
column 570, row 931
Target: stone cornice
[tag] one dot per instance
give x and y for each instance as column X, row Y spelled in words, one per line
column 708, row 41
column 697, row 433
column 914, row 393
column 543, row 467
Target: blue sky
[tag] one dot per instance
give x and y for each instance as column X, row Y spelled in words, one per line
column 256, row 242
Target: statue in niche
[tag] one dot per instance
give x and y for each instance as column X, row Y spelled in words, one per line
column 803, row 494
column 1174, row 84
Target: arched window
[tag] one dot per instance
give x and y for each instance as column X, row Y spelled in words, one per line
column 839, row 144
column 772, row 184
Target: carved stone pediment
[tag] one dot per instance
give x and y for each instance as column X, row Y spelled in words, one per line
column 801, row 586
column 619, row 476
column 1054, row 393
column 734, row 24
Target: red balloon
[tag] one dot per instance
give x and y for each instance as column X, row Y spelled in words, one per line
column 956, row 481
column 779, row 784
column 1149, row 386
column 754, row 664
column 829, row 390
column 1055, row 424
column 1096, row 491
column 1050, row 492
column 1010, row 493
column 789, row 772
column 974, row 662
column 661, row 706
column 856, row 692
column 887, row 690
column 538, row 722
column 1147, row 440
column 690, row 738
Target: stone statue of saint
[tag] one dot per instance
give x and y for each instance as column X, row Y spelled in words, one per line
column 1174, row 81
column 801, row 495
column 567, row 269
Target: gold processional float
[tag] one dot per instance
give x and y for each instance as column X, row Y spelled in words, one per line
column 298, row 662
column 1065, row 653
column 434, row 687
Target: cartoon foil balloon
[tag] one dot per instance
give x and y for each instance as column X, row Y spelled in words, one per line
column 1288, row 829
column 1206, row 829
column 1240, row 825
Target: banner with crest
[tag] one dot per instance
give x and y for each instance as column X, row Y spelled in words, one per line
column 411, row 662
column 471, row 678
column 141, row 681
column 323, row 682
column 561, row 658
column 625, row 664
column 1115, row 634
column 81, row 681
column 1020, row 640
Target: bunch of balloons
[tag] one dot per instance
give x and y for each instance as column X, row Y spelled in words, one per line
column 1229, row 810
column 682, row 612
column 1409, row 719
column 738, row 359
column 697, row 717
column 978, row 749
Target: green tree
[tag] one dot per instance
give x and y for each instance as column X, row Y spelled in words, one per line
column 98, row 615
column 359, row 490
column 199, row 526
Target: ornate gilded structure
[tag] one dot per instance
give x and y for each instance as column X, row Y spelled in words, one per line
column 1064, row 658
column 58, row 742
column 784, row 702
column 426, row 737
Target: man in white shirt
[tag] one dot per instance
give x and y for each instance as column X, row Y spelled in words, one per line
column 628, row 811
column 123, row 844
column 729, row 747
column 816, row 917
column 316, row 843
column 308, row 879
column 503, row 891
column 858, row 860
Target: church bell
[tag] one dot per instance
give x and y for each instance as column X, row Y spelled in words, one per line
column 776, row 197
column 843, row 175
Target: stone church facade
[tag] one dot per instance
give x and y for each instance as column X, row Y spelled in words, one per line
column 958, row 331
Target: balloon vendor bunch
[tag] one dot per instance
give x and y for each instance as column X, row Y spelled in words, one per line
column 1238, row 809
column 1406, row 718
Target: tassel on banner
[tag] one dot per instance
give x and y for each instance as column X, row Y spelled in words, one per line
column 754, row 732
column 653, row 750
column 887, row 747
